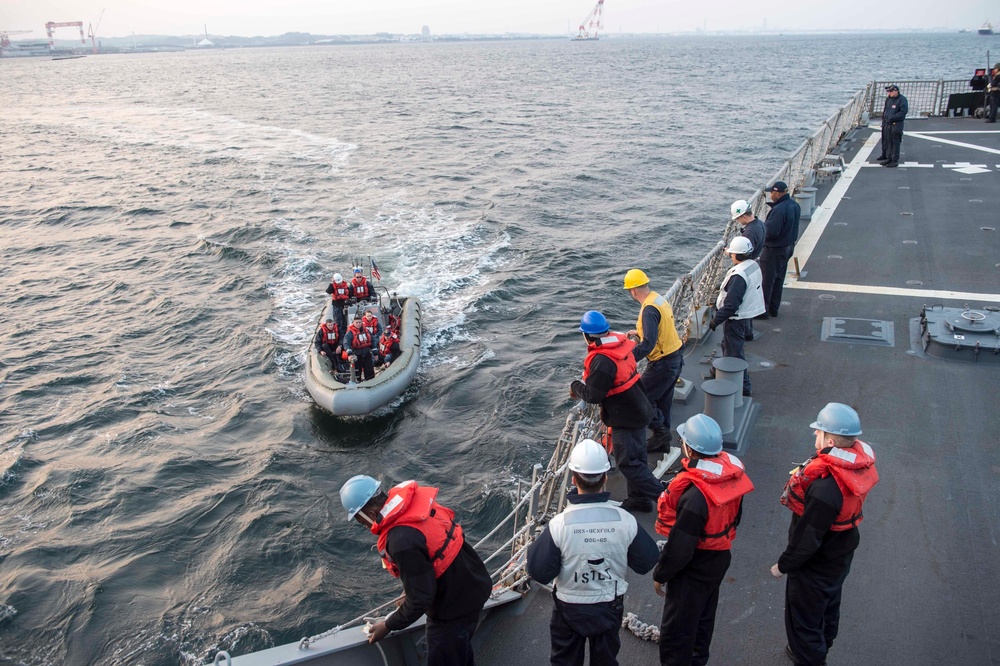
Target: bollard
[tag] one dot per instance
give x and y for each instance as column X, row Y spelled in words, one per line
column 806, row 198
column 731, row 369
column 720, row 402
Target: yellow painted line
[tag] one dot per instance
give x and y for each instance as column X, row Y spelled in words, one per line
column 927, row 294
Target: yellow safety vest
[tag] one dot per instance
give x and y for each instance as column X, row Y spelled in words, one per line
column 667, row 340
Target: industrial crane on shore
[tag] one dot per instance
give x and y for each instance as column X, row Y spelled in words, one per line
column 595, row 20
column 5, row 36
column 92, row 31
column 52, row 25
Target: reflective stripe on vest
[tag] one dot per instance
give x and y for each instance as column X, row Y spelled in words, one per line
column 341, row 291
column 360, row 287
column 362, row 340
column 667, row 340
column 618, row 348
column 330, row 335
column 414, row 506
column 853, row 468
column 753, row 299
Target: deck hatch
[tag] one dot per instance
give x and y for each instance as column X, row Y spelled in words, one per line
column 858, row 331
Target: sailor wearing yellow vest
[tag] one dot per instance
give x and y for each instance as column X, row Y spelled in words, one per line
column 658, row 341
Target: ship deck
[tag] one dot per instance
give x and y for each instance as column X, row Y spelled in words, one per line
column 924, row 586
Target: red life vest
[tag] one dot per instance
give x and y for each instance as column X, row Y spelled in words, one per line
column 341, row 291
column 722, row 480
column 330, row 335
column 361, row 288
column 362, row 338
column 394, row 323
column 386, row 341
column 414, row 506
column 618, row 348
column 853, row 468
column 370, row 325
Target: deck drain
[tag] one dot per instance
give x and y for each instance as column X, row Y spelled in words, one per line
column 844, row 198
column 975, row 201
column 834, row 256
column 965, row 179
column 840, row 224
column 988, row 228
column 904, row 187
column 766, row 364
column 909, row 242
column 827, row 297
column 906, row 213
column 858, row 331
column 914, row 283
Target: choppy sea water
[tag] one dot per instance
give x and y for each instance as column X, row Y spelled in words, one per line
column 168, row 225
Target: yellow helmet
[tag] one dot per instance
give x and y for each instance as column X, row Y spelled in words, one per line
column 635, row 278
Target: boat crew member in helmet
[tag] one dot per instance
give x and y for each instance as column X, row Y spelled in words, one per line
column 781, row 231
column 993, row 94
column 753, row 230
column 698, row 512
column 826, row 495
column 358, row 344
column 340, row 292
column 740, row 300
column 610, row 379
column 893, row 114
column 388, row 348
column 420, row 543
column 328, row 342
column 586, row 550
column 360, row 289
column 657, row 341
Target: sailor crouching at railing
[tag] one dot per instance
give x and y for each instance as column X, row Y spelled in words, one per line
column 421, row 544
column 586, row 550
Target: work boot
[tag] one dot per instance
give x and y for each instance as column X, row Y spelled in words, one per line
column 882, row 159
column 637, row 505
column 891, row 164
column 659, row 442
column 791, row 656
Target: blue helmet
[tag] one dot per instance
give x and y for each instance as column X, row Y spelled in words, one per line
column 356, row 492
column 702, row 434
column 594, row 323
column 838, row 419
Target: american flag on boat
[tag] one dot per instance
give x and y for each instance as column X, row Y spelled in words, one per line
column 375, row 273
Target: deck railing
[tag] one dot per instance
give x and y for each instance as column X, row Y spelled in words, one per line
column 925, row 98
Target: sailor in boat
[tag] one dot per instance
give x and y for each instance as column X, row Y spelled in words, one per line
column 420, row 543
column 328, row 342
column 657, row 340
column 740, row 300
column 388, row 347
column 340, row 291
column 826, row 495
column 586, row 550
column 698, row 512
column 360, row 289
column 358, row 343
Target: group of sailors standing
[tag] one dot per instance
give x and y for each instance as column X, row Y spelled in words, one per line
column 364, row 343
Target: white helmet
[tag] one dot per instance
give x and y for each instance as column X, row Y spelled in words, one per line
column 739, row 208
column 589, row 457
column 740, row 245
column 337, row 277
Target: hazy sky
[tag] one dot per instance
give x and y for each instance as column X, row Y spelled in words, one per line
column 273, row 17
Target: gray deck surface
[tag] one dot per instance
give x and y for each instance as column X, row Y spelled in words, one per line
column 924, row 586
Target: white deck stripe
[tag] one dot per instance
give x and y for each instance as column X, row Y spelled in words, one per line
column 821, row 218
column 959, row 132
column 971, row 146
column 926, row 294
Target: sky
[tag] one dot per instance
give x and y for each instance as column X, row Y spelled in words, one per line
column 273, row 17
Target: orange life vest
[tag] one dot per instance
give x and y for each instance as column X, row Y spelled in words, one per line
column 330, row 335
column 362, row 338
column 361, row 288
column 370, row 325
column 723, row 482
column 618, row 348
column 853, row 468
column 414, row 506
column 341, row 291
column 385, row 343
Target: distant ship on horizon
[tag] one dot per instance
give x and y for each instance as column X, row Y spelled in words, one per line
column 986, row 29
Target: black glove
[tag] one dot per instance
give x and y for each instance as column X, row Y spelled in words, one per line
column 713, row 326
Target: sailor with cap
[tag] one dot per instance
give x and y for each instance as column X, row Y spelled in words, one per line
column 781, row 231
column 586, row 550
column 893, row 114
column 826, row 495
column 740, row 300
column 994, row 94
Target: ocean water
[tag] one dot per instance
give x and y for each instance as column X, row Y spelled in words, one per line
column 168, row 225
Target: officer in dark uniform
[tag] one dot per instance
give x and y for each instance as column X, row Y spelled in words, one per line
column 699, row 513
column 421, row 544
column 826, row 495
column 610, row 379
column 893, row 114
column 993, row 94
column 781, row 231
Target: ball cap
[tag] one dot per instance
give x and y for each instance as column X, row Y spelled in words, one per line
column 891, row 88
column 779, row 186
